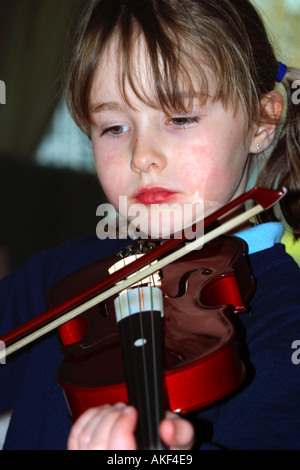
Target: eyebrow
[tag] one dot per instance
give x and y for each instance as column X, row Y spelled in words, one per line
column 105, row 106
column 115, row 106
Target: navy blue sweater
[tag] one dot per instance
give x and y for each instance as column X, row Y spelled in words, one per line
column 265, row 414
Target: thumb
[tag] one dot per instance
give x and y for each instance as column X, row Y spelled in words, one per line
column 176, row 432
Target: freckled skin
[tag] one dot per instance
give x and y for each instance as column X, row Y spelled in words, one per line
column 204, row 160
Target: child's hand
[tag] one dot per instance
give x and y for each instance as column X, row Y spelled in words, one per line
column 112, row 428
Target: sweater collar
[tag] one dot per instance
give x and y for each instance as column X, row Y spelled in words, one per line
column 263, row 236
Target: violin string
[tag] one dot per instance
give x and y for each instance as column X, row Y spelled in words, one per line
column 154, row 347
column 102, row 296
column 145, row 369
column 130, row 324
column 133, row 316
column 151, row 283
column 145, row 372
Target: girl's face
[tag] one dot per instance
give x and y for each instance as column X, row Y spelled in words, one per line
column 156, row 158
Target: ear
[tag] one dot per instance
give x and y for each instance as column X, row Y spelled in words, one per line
column 271, row 107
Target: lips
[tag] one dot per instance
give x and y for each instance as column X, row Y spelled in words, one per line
column 153, row 195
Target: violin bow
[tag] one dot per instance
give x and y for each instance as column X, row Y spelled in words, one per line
column 111, row 285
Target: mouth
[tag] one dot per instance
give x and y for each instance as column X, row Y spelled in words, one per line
column 154, row 195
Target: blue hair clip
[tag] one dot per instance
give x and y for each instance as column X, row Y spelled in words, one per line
column 281, row 72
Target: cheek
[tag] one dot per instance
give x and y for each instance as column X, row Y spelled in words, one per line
column 110, row 174
column 199, row 164
column 211, row 173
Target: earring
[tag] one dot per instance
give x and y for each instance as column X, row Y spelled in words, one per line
column 258, row 146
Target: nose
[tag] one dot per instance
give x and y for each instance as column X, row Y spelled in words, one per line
column 147, row 156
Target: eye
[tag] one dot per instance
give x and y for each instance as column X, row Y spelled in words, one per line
column 183, row 121
column 115, row 130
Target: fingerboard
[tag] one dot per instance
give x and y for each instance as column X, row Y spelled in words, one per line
column 139, row 315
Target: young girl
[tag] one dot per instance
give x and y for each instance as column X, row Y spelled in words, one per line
column 178, row 98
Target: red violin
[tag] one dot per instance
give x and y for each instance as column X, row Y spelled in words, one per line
column 201, row 362
column 189, row 326
column 200, row 356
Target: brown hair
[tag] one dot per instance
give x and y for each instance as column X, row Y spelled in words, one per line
column 229, row 38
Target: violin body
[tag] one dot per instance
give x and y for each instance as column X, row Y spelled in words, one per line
column 201, row 362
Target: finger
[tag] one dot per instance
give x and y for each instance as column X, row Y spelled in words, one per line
column 94, row 425
column 80, row 424
column 176, row 432
column 113, row 429
column 122, row 435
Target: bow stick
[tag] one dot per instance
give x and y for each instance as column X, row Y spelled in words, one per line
column 56, row 316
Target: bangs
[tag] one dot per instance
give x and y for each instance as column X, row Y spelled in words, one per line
column 177, row 69
column 184, row 60
column 176, row 78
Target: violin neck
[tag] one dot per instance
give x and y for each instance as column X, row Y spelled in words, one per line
column 141, row 343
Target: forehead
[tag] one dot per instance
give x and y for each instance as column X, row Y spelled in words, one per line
column 111, row 79
column 135, row 76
